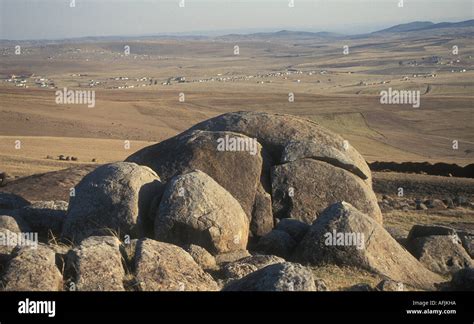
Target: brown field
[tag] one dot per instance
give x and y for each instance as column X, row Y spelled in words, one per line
column 339, row 91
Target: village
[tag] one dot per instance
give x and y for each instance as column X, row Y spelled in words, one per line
column 330, row 77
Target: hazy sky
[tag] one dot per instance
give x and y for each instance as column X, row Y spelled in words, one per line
column 50, row 19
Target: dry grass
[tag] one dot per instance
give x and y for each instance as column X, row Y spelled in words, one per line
column 32, row 157
column 341, row 278
column 457, row 218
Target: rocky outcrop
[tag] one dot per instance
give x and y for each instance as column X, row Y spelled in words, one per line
column 293, row 227
column 245, row 266
column 205, row 260
column 225, row 258
column 277, row 131
column 463, row 280
column 294, row 151
column 262, row 221
column 276, row 277
column 195, row 209
column 10, row 201
column 233, row 160
column 10, row 223
column 390, row 285
column 45, row 217
column 467, row 240
column 440, row 253
column 203, row 195
column 96, row 265
column 55, row 185
column 32, row 269
column 278, row 243
column 418, row 231
column 342, row 235
column 113, row 198
column 304, row 188
column 165, row 267
column 8, row 242
column 439, row 248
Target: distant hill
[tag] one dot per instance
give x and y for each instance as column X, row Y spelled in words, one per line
column 289, row 33
column 425, row 25
column 278, row 35
column 283, row 34
column 407, row 27
column 305, row 35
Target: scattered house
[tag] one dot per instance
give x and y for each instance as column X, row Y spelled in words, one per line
column 434, row 60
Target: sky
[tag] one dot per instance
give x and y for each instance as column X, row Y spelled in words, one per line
column 56, row 19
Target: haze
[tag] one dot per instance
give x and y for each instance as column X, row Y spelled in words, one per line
column 55, row 19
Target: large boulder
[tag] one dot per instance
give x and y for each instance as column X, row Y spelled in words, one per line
column 112, row 198
column 45, row 217
column 305, row 138
column 440, row 253
column 344, row 236
column 399, row 234
column 9, row 201
column 32, row 269
column 96, row 264
column 463, row 280
column 318, row 151
column 467, row 240
column 202, row 257
column 304, row 188
column 276, row 242
column 285, row 139
column 262, row 216
column 225, row 258
column 161, row 266
column 195, row 209
column 435, row 204
column 390, row 285
column 284, row 276
column 295, row 228
column 429, row 230
column 8, row 242
column 236, row 167
column 245, row 266
column 55, row 185
column 11, row 223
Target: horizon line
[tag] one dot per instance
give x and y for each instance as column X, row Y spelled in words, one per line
column 222, row 33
